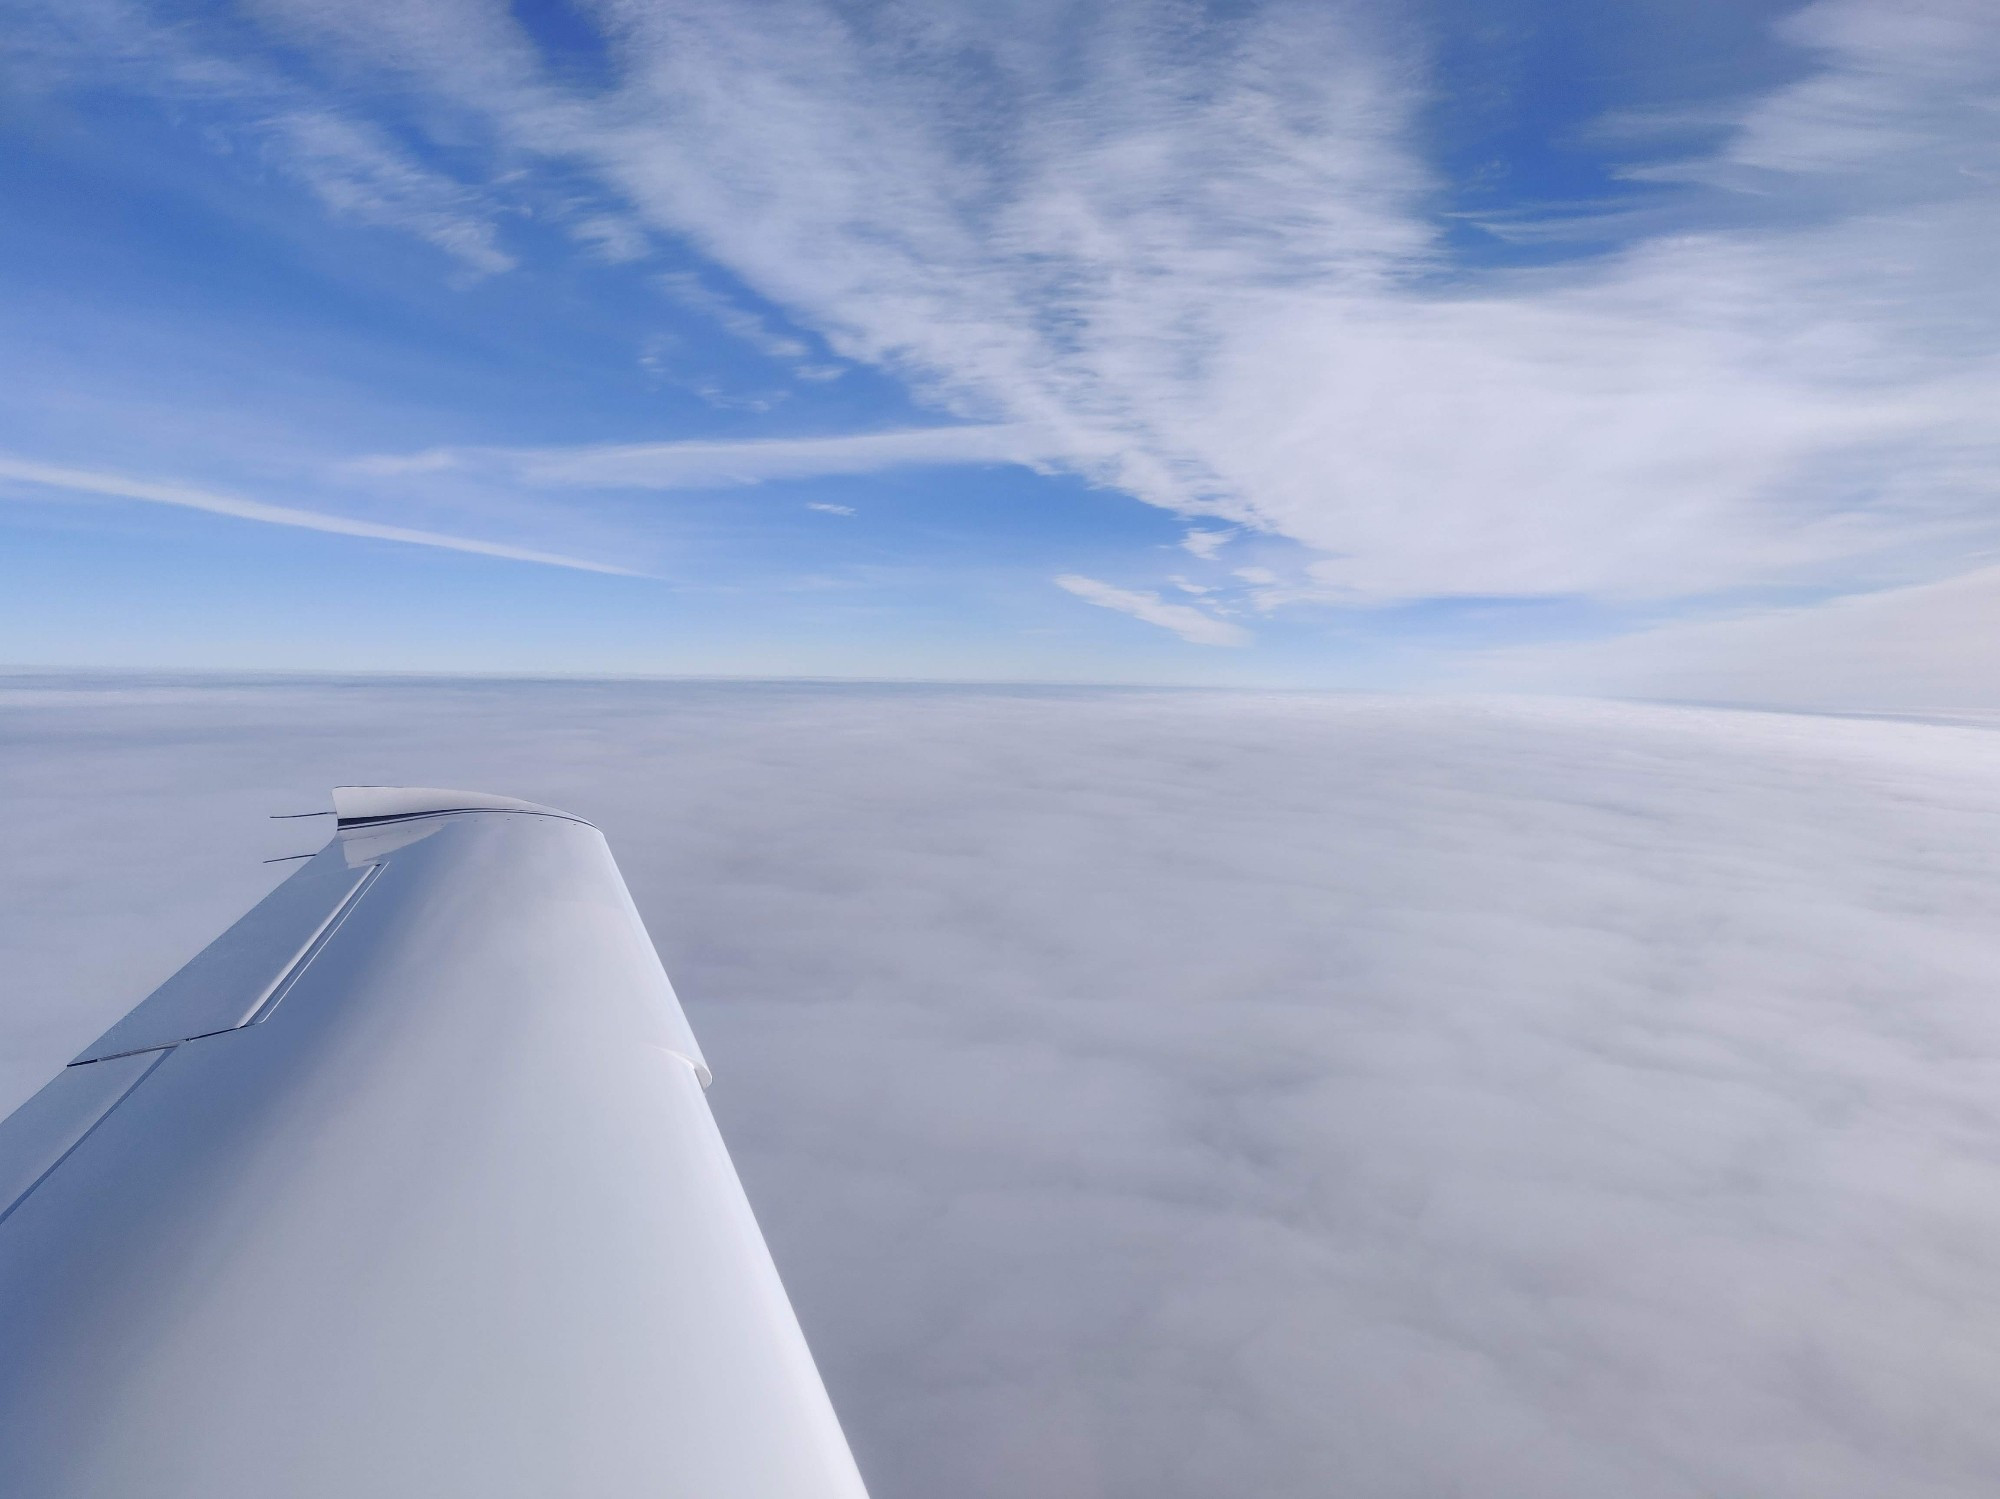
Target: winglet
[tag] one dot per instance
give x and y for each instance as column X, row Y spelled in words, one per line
column 357, row 806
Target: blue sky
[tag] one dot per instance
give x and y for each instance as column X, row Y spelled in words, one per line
column 1279, row 344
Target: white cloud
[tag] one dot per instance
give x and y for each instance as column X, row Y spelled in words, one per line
column 615, row 238
column 355, row 170
column 691, row 291
column 1186, row 256
column 1195, row 626
column 1932, row 647
column 699, row 464
column 353, row 166
column 827, row 508
column 1205, row 1094
column 118, row 486
column 1199, row 261
column 1205, row 544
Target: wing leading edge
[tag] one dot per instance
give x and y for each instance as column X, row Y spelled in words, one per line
column 405, row 1185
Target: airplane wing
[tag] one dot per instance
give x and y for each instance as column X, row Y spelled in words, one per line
column 406, row 1185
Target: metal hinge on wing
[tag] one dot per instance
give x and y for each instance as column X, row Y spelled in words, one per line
column 282, row 984
column 228, row 984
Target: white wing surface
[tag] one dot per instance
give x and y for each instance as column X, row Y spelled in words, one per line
column 404, row 1186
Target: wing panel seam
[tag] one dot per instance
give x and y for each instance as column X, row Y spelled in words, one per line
column 315, row 945
column 95, row 1124
column 267, row 1000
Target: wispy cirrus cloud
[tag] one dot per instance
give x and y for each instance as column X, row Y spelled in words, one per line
column 355, row 168
column 188, row 497
column 1200, row 257
column 704, row 464
column 357, row 171
column 740, row 321
column 1195, row 626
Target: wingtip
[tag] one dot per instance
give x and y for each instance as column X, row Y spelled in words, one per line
column 356, row 806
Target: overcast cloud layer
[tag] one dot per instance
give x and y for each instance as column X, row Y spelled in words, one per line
column 1183, row 1095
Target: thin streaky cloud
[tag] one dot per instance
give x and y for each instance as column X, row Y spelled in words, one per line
column 1191, row 624
column 118, row 486
column 356, row 172
column 689, row 290
column 691, row 465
